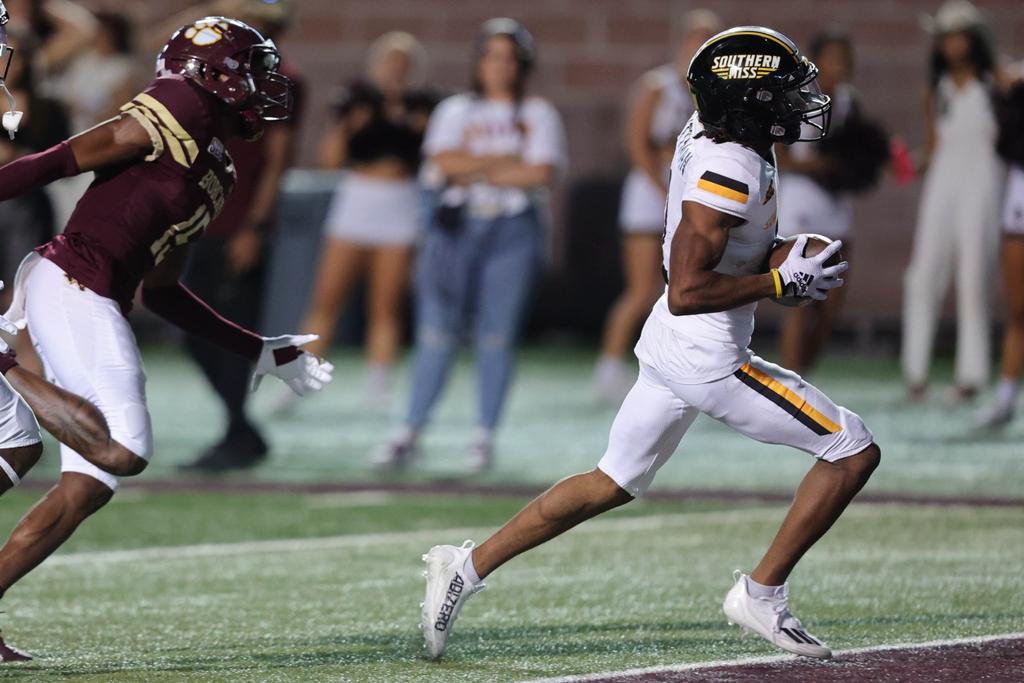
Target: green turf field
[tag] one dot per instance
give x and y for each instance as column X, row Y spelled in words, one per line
column 326, row 587
column 272, row 586
column 554, row 428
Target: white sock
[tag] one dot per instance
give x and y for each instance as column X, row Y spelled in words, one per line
column 407, row 436
column 484, row 436
column 1006, row 391
column 609, row 368
column 469, row 571
column 759, row 590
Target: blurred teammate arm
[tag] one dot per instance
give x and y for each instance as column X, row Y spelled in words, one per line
column 245, row 247
column 697, row 247
column 638, row 137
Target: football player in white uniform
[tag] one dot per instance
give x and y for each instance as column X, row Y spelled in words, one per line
column 752, row 88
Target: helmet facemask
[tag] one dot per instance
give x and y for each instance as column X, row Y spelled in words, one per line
column 234, row 63
column 271, row 90
column 804, row 112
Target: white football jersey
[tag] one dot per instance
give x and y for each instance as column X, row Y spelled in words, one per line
column 735, row 180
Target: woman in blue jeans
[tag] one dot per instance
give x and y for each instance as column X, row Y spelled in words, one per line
column 496, row 151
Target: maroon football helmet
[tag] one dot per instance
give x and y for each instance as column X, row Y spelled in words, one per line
column 233, row 62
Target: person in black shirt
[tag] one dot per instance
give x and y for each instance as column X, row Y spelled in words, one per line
column 374, row 217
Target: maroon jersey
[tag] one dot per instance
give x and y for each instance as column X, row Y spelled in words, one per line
column 135, row 214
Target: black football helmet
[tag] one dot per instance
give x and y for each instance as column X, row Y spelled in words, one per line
column 750, row 84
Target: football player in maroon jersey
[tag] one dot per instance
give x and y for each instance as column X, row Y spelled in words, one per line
column 162, row 175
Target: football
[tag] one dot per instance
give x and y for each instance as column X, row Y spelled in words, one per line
column 815, row 244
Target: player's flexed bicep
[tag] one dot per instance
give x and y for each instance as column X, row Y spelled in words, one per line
column 697, row 246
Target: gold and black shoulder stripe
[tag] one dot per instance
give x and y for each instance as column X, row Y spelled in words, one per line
column 156, row 117
column 782, row 396
column 723, row 186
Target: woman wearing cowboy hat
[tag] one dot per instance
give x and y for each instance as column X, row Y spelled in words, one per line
column 958, row 220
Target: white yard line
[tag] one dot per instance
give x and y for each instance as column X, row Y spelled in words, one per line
column 188, row 552
column 768, row 659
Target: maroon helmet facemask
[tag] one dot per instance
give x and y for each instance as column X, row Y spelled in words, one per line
column 234, row 63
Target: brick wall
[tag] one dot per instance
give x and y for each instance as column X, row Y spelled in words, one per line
column 592, row 50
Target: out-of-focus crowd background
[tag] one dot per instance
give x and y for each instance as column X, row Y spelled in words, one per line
column 80, row 60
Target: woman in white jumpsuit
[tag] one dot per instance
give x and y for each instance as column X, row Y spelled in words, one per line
column 958, row 221
column 659, row 111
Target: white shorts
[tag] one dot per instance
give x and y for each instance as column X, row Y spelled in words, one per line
column 760, row 400
column 643, row 205
column 18, row 426
column 805, row 206
column 88, row 348
column 1013, row 206
column 374, row 212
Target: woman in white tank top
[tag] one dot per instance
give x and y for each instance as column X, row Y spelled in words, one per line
column 659, row 111
column 957, row 230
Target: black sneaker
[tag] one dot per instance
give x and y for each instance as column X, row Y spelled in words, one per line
column 234, row 452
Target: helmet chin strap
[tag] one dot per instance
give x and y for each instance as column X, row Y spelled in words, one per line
column 12, row 117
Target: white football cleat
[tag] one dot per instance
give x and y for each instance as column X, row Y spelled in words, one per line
column 447, row 591
column 771, row 619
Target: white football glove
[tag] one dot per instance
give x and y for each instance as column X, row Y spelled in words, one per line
column 807, row 276
column 6, row 326
column 301, row 371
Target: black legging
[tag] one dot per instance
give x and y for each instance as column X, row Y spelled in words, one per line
column 238, row 298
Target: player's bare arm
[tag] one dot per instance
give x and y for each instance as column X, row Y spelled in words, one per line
column 697, row 248
column 117, row 141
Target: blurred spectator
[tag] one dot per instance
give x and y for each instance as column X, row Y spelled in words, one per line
column 27, row 220
column 102, row 78
column 819, row 179
column 1011, row 146
column 374, row 218
column 958, row 223
column 660, row 109
column 64, row 30
column 499, row 150
column 226, row 267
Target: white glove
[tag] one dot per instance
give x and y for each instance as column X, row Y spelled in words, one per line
column 301, row 371
column 807, row 276
column 8, row 327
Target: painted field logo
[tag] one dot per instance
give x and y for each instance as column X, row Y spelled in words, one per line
column 730, row 67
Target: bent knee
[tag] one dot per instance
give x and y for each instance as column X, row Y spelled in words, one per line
column 83, row 493
column 607, row 490
column 864, row 463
